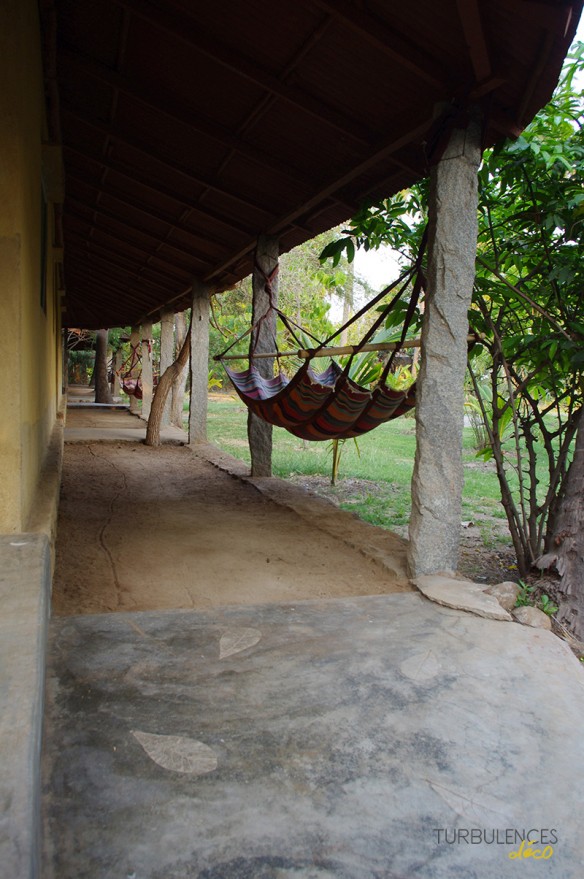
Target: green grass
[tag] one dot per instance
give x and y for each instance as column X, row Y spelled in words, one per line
column 385, row 457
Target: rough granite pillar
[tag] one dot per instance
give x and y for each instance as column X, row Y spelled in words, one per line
column 438, row 471
column 263, row 339
column 118, row 365
column 166, row 355
column 199, row 363
column 135, row 371
column 147, row 382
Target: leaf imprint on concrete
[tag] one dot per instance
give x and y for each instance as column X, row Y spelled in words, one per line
column 235, row 640
column 177, row 753
column 421, row 666
column 482, row 811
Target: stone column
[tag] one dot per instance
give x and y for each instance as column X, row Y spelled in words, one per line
column 166, row 355
column 199, row 363
column 263, row 339
column 135, row 371
column 180, row 381
column 147, row 383
column 438, row 471
column 118, row 363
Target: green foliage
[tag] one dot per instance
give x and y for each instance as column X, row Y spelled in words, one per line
column 528, row 597
column 214, row 382
column 525, row 595
column 335, row 447
column 547, row 605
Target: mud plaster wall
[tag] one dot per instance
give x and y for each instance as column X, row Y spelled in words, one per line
column 29, row 333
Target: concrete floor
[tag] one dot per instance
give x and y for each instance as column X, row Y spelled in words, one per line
column 352, row 738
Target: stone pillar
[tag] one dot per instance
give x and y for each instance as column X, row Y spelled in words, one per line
column 199, row 363
column 438, row 471
column 147, row 383
column 135, row 371
column 180, row 381
column 118, row 363
column 263, row 339
column 166, row 355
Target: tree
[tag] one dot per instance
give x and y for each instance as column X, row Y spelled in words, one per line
column 163, row 389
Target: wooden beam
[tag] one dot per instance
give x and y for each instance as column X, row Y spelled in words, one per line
column 167, row 105
column 396, row 46
column 154, row 185
column 334, row 351
column 186, row 29
column 381, row 153
column 546, row 47
column 470, row 17
column 109, row 190
column 80, row 280
column 135, row 263
column 100, row 211
column 142, row 146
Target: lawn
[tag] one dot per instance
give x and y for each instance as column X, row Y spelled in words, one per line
column 375, row 475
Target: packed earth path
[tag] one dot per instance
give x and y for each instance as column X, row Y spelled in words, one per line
column 145, row 528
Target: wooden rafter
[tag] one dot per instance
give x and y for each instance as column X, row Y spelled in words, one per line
column 102, row 212
column 79, row 275
column 329, row 189
column 146, row 148
column 117, row 267
column 111, row 191
column 185, row 29
column 398, row 47
column 166, row 104
column 470, row 17
column 127, row 259
column 156, row 186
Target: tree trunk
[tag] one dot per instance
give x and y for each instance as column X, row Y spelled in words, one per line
column 566, row 554
column 162, row 391
column 102, row 387
column 180, row 380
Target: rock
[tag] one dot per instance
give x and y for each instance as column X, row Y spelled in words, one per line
column 506, row 593
column 461, row 595
column 532, row 616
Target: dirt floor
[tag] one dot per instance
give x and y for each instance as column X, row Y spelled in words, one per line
column 145, row 529
column 481, row 562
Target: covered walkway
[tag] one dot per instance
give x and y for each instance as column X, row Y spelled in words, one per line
column 147, row 529
column 218, row 725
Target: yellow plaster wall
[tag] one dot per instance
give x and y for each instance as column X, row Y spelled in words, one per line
column 29, row 336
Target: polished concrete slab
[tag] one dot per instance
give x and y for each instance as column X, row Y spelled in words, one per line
column 366, row 738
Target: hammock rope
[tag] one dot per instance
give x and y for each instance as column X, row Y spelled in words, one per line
column 132, row 384
column 328, row 405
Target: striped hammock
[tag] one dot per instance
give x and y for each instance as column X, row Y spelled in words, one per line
column 320, row 406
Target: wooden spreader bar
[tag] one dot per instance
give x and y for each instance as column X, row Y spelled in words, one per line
column 306, row 353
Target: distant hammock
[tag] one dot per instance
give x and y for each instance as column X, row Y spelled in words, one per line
column 131, row 384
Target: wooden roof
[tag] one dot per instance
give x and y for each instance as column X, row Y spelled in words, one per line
column 189, row 126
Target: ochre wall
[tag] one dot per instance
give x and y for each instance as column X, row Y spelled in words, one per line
column 30, row 389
